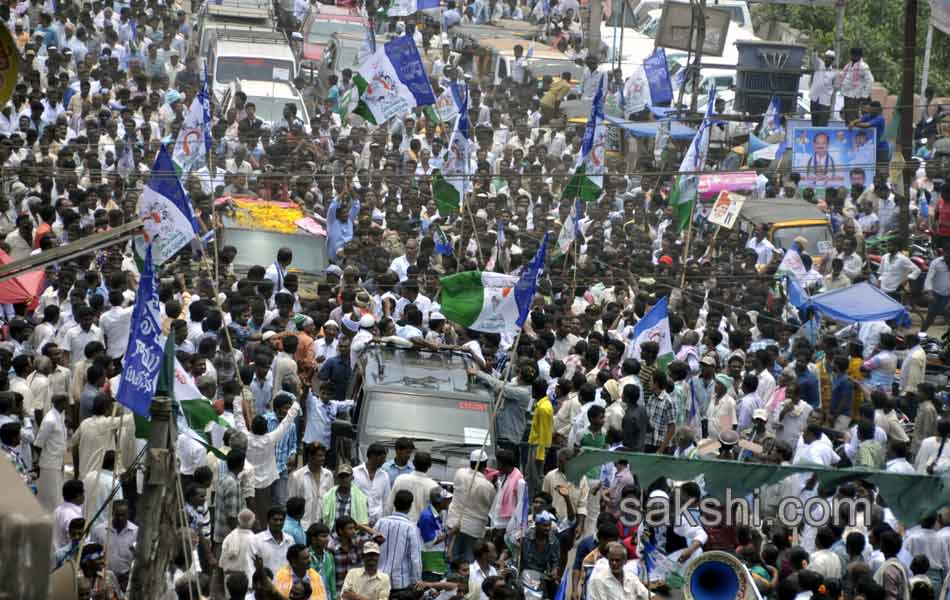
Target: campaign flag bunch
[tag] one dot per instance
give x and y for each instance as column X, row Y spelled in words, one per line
column 392, row 81
column 491, row 302
column 685, row 190
column 443, row 245
column 587, row 182
column 571, row 229
column 193, row 145
column 452, row 182
column 169, row 221
column 655, row 327
column 405, row 8
column 143, row 355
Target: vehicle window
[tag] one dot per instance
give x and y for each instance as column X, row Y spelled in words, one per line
column 270, row 109
column 252, row 69
column 424, row 417
column 735, row 14
column 816, row 236
column 257, row 247
column 320, row 31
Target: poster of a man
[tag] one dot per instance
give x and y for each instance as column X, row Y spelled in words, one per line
column 826, row 156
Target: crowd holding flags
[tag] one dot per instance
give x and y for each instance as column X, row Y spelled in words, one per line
column 684, row 192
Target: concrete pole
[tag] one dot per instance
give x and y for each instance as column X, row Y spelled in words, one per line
column 593, row 27
column 926, row 74
column 157, row 509
column 905, row 137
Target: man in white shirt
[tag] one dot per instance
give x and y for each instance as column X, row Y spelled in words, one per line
column 762, row 247
column 269, row 547
column 937, row 288
column 416, row 482
column 311, row 482
column 51, row 443
column 822, row 89
column 400, row 265
column 468, row 513
column 278, row 269
column 896, row 269
column 81, row 334
column 115, row 324
column 615, row 577
column 854, row 81
column 373, row 480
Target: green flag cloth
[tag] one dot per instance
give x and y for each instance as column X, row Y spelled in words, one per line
column 910, row 496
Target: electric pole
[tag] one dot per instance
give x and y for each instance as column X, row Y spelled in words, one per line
column 596, row 9
column 905, row 138
column 699, row 18
column 158, row 530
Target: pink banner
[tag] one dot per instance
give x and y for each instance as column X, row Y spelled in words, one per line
column 710, row 185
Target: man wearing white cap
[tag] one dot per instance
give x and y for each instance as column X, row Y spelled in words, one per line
column 363, row 337
column 822, row 88
column 468, row 513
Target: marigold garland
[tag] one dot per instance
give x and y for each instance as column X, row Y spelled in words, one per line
column 270, row 216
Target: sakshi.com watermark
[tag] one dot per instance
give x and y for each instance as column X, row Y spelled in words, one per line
column 730, row 511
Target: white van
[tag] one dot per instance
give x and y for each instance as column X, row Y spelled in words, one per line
column 250, row 56
column 269, row 99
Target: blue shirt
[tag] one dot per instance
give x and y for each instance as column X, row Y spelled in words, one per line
column 287, row 444
column 293, row 528
column 808, row 389
column 430, row 524
column 877, row 122
column 339, row 232
column 320, row 417
column 842, row 393
column 394, row 470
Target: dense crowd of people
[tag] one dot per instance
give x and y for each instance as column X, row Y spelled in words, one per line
column 273, row 508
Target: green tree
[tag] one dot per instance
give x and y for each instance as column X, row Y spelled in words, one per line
column 876, row 26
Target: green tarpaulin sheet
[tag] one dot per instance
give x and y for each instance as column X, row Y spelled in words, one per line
column 910, row 497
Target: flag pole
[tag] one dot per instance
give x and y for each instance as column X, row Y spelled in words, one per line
column 689, row 235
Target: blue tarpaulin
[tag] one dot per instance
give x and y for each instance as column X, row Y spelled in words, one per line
column 853, row 304
column 647, row 129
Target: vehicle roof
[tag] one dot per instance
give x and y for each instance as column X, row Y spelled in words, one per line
column 419, row 371
column 506, row 45
column 775, row 210
column 277, row 89
column 253, row 50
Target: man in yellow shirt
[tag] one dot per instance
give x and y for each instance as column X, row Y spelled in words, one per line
column 542, row 423
column 366, row 582
column 551, row 100
column 296, row 577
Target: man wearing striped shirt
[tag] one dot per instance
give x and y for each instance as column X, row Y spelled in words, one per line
column 401, row 553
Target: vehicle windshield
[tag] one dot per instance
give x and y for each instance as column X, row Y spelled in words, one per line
column 256, row 247
column 270, row 109
column 320, row 31
column 818, row 236
column 650, row 27
column 450, row 420
column 233, row 68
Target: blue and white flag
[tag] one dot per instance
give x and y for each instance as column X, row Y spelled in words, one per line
column 588, row 180
column 658, row 76
column 193, row 145
column 405, row 8
column 392, row 81
column 772, row 120
column 143, row 355
column 655, row 327
column 562, row 587
column 169, row 221
column 528, row 283
column 443, row 245
column 571, row 229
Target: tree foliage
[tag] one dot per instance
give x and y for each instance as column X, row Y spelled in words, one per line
column 877, row 26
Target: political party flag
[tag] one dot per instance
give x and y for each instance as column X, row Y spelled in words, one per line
column 452, row 182
column 571, row 229
column 392, row 81
column 169, row 221
column 562, row 587
column 194, row 138
column 481, row 300
column 405, row 8
column 528, row 283
column 657, row 72
column 791, row 266
column 588, row 180
column 684, row 192
column 443, row 245
column 772, row 120
column 655, row 327
column 143, row 355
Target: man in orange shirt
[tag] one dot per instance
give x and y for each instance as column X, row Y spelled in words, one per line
column 296, row 577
